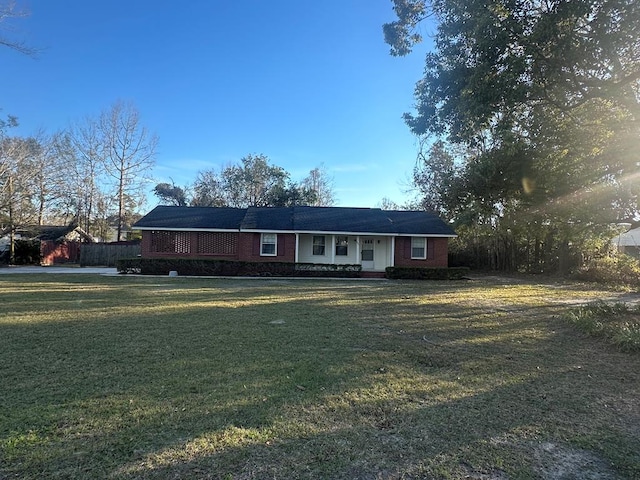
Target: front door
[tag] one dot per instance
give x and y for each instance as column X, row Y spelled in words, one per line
column 367, row 253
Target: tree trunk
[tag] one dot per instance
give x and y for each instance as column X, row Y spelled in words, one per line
column 536, row 255
column 563, row 257
column 12, row 232
column 120, row 204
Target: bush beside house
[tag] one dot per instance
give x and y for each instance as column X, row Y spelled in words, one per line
column 418, row 273
column 231, row 268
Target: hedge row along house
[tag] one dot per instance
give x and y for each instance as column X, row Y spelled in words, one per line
column 369, row 237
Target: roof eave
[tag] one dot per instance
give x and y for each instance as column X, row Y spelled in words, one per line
column 173, row 229
column 306, row 232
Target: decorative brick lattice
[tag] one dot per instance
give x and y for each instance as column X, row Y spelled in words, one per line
column 170, row 242
column 217, row 243
column 161, row 242
column 183, row 242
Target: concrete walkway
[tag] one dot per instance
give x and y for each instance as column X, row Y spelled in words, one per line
column 58, row 270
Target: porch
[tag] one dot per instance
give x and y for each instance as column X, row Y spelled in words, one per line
column 373, row 252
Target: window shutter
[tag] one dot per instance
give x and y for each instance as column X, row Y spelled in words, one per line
column 407, row 247
column 431, row 254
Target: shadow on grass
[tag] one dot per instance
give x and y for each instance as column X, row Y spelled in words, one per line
column 351, row 381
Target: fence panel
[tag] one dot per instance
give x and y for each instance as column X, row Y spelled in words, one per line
column 106, row 254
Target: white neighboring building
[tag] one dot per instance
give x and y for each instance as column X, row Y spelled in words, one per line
column 628, row 242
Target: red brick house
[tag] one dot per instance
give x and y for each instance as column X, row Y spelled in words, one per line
column 370, row 237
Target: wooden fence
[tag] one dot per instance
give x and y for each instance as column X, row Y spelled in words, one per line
column 106, row 254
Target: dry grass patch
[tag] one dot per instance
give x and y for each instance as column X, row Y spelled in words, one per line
column 140, row 378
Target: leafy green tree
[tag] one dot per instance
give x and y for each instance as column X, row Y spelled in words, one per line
column 495, row 60
column 255, row 182
column 170, row 194
column 434, row 176
column 252, row 183
column 544, row 100
column 291, row 195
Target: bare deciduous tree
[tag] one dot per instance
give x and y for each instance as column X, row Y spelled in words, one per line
column 82, row 149
column 129, row 152
column 16, row 195
column 321, row 183
column 9, row 10
column 48, row 177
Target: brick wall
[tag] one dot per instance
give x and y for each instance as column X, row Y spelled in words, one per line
column 187, row 245
column 249, row 248
column 437, row 253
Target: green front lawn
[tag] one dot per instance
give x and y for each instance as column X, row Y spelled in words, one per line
column 131, row 377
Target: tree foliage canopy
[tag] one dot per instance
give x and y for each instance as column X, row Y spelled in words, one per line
column 255, row 182
column 538, row 103
column 171, row 194
column 495, row 60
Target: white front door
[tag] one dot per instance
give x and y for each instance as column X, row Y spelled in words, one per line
column 367, row 253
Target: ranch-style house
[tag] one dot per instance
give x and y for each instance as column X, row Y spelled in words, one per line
column 370, row 237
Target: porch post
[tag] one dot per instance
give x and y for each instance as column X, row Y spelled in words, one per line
column 297, row 247
column 333, row 249
column 393, row 252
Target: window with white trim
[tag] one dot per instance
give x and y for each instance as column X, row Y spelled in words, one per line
column 268, row 244
column 342, row 246
column 318, row 244
column 418, row 248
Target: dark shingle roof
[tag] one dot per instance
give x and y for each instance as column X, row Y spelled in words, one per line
column 335, row 219
column 409, row 222
column 178, row 218
column 299, row 219
column 268, row 218
column 369, row 220
column 51, row 232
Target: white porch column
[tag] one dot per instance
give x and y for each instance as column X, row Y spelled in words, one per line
column 297, row 247
column 333, row 249
column 393, row 252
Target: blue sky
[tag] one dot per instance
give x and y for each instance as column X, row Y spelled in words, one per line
column 304, row 82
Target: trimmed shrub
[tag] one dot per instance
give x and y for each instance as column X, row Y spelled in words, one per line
column 331, row 270
column 232, row 268
column 129, row 265
column 425, row 273
column 27, row 252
